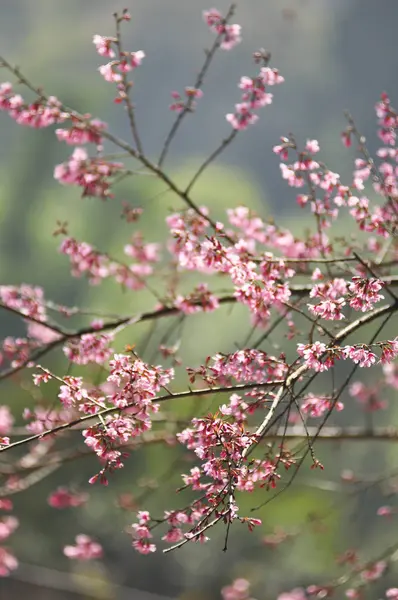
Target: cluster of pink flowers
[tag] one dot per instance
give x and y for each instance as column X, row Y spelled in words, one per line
column 134, row 385
column 6, row 420
column 89, row 348
column 313, row 353
column 187, row 230
column 201, row 299
column 196, row 249
column 249, row 365
column 71, row 392
column 142, row 253
column 86, row 260
column 138, row 383
column 64, row 498
column 84, row 549
column 82, row 132
column 254, row 96
column 369, row 396
column 230, row 34
column 25, row 299
column 43, row 418
column 325, row 194
column 41, row 113
column 122, row 62
column 253, row 229
column 319, row 357
column 260, row 295
column 379, row 219
column 388, row 122
column 364, row 293
column 17, row 351
column 127, row 61
column 295, row 594
column 375, row 221
column 112, row 71
column 187, row 103
column 390, row 372
column 257, row 286
column 176, row 521
column 93, row 174
column 141, row 534
column 238, row 590
column 218, row 445
column 331, row 300
column 8, row 524
column 317, row 405
column 361, row 294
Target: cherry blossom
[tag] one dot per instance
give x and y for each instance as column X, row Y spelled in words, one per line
column 92, row 174
column 254, row 96
column 103, row 45
column 8, row 562
column 63, row 498
column 230, row 34
column 85, row 549
column 6, row 420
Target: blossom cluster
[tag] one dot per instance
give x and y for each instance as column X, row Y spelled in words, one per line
column 64, row 498
column 229, row 34
column 130, row 387
column 361, row 294
column 135, row 384
column 25, row 299
column 8, row 524
column 319, row 357
column 41, row 113
column 254, row 96
column 85, row 259
column 82, row 132
column 89, row 348
column 260, row 287
column 84, row 549
column 218, row 444
column 93, row 174
column 28, row 302
column 187, row 103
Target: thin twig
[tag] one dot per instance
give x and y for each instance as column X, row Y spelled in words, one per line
column 198, row 85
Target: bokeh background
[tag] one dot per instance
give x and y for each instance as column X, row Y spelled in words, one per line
column 334, row 55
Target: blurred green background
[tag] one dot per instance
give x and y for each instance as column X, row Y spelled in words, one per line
column 334, row 55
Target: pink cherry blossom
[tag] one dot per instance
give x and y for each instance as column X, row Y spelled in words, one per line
column 296, row 594
column 104, row 45
column 8, row 562
column 239, row 590
column 6, row 420
column 230, row 34
column 84, row 549
column 8, row 525
column 109, row 72
column 92, row 174
column 63, row 498
column 312, row 354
